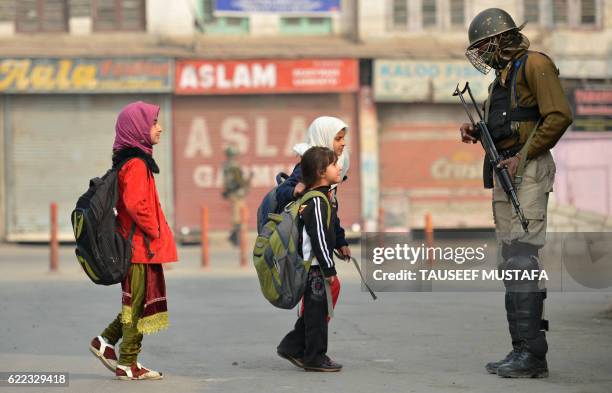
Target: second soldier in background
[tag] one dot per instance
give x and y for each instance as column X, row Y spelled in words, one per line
column 235, row 189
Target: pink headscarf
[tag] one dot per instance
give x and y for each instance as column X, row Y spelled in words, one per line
column 133, row 127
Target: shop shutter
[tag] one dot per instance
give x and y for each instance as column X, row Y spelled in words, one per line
column 424, row 168
column 56, row 143
column 203, row 125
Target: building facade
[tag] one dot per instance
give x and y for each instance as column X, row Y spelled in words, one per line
column 254, row 77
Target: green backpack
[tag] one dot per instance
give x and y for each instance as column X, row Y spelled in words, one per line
column 282, row 272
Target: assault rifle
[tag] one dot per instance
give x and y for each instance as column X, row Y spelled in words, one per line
column 483, row 134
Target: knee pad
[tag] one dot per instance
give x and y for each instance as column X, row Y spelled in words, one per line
column 517, row 248
column 514, row 270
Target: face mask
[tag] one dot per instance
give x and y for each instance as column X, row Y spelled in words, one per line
column 497, row 62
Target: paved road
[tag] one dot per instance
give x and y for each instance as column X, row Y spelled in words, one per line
column 223, row 334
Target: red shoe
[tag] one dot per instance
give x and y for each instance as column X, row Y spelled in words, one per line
column 136, row 372
column 105, row 352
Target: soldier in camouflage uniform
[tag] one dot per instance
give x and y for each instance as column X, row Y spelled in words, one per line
column 235, row 189
column 527, row 113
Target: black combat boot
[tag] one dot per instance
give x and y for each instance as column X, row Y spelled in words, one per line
column 493, row 366
column 524, row 365
column 530, row 362
column 234, row 235
column 516, row 340
column 525, row 308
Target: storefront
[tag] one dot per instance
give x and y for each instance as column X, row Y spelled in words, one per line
column 582, row 156
column 424, row 168
column 261, row 108
column 59, row 118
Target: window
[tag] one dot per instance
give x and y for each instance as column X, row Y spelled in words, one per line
column 306, row 26
column 588, row 12
column 559, row 12
column 531, row 11
column 212, row 24
column 118, row 15
column 80, row 8
column 429, row 13
column 400, row 14
column 457, row 13
column 570, row 13
column 35, row 16
column 426, row 14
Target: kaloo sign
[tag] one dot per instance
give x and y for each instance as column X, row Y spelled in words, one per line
column 426, row 81
column 266, row 76
column 85, row 75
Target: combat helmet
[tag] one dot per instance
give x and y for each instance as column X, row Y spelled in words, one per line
column 487, row 24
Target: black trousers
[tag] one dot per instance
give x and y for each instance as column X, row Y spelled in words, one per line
column 308, row 339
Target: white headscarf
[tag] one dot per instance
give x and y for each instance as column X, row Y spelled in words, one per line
column 322, row 132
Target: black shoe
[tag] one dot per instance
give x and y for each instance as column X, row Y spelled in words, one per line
column 298, row 362
column 493, row 366
column 328, row 365
column 233, row 237
column 524, row 365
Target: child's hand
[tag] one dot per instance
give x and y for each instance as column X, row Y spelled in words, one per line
column 345, row 251
column 299, row 189
column 330, row 279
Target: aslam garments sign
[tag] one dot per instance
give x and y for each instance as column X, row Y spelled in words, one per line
column 79, row 75
column 266, row 76
column 264, row 130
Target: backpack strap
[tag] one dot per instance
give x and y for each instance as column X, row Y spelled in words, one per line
column 487, row 104
column 514, row 98
column 537, row 117
column 147, row 241
column 313, row 194
column 515, row 110
column 518, row 177
column 328, row 295
column 281, row 177
column 132, row 231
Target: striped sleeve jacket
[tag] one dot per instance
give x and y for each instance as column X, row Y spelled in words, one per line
column 318, row 237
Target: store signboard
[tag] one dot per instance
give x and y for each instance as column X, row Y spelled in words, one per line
column 592, row 107
column 277, row 6
column 80, row 75
column 426, row 81
column 266, row 76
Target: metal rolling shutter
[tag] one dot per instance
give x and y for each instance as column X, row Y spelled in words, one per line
column 55, row 144
column 273, row 115
column 424, row 167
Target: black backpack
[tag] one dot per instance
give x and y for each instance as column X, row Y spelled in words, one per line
column 103, row 253
column 269, row 203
